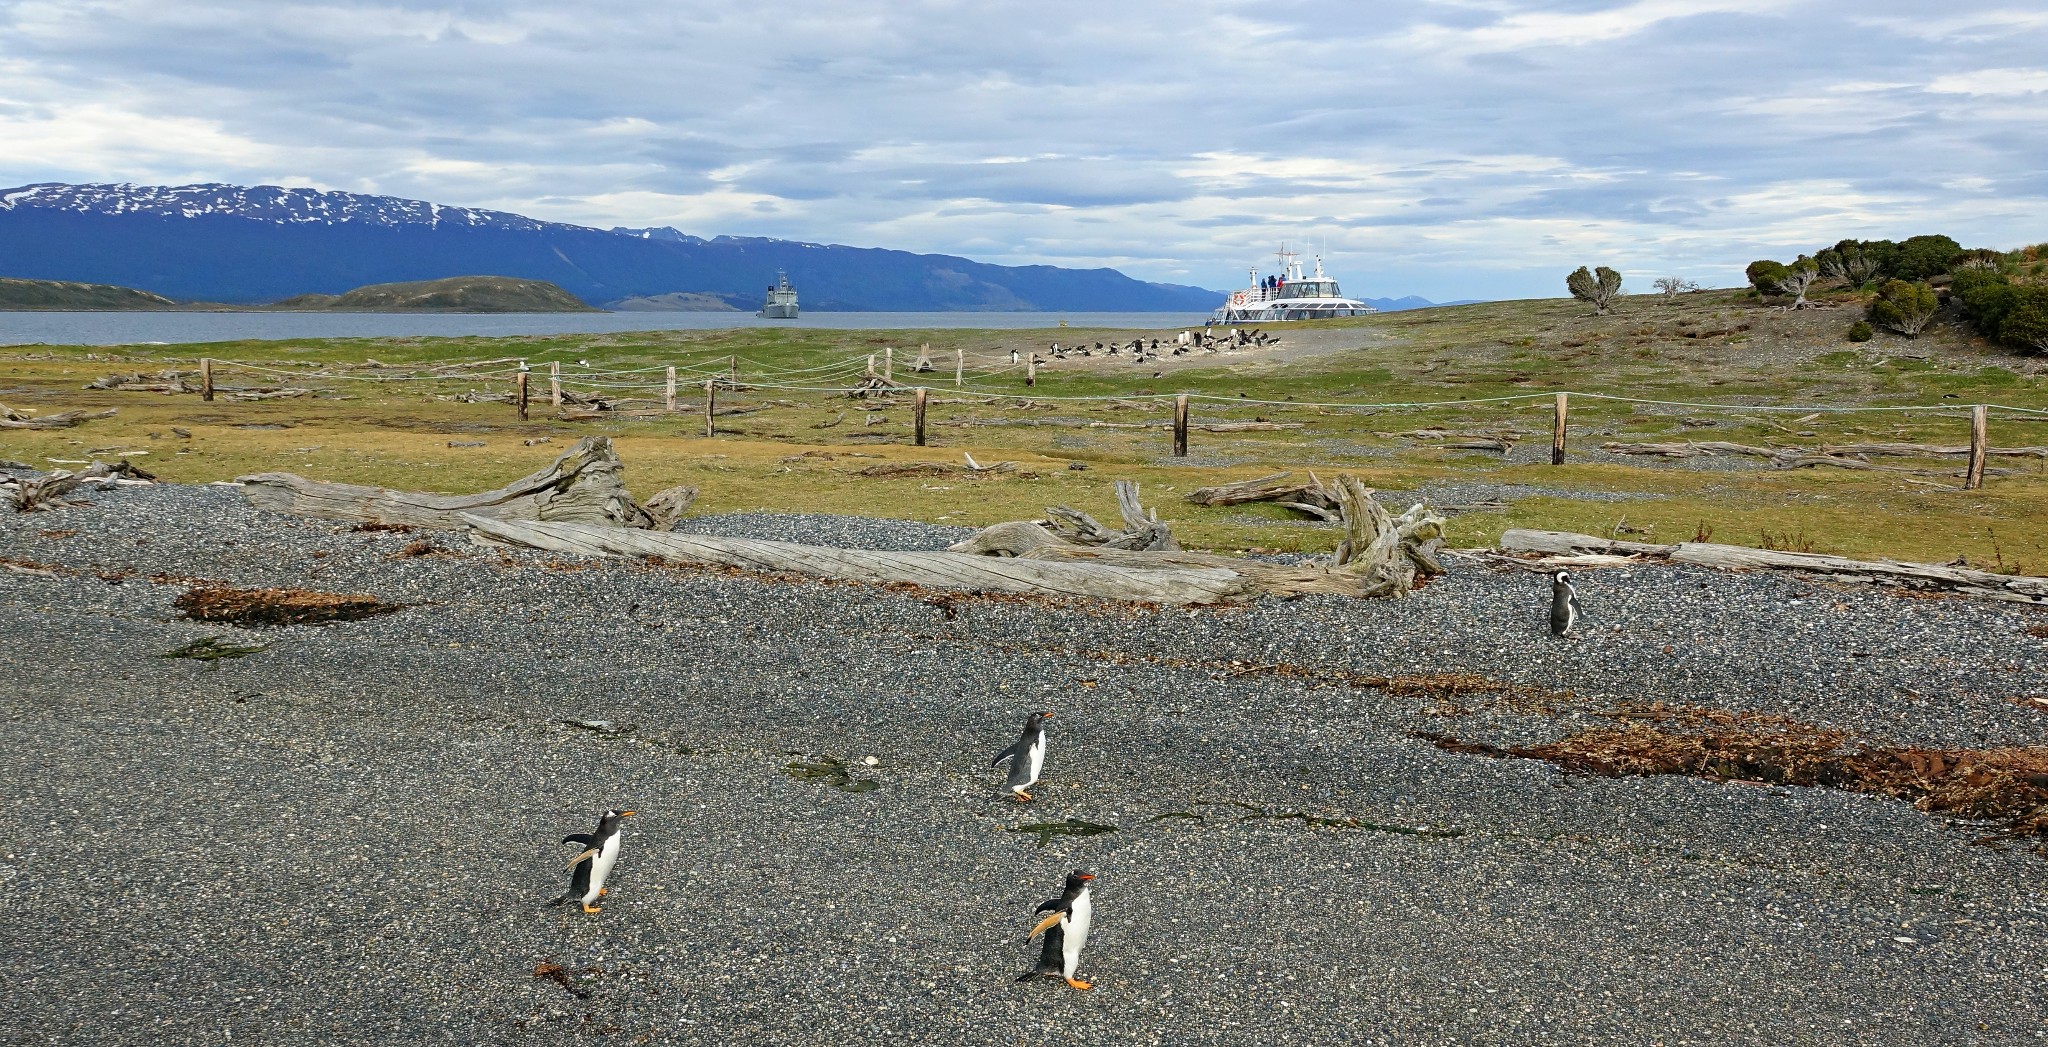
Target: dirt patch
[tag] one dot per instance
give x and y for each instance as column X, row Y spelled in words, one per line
column 255, row 607
column 2006, row 785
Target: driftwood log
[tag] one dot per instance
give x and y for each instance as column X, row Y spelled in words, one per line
column 1142, row 530
column 1380, row 555
column 2015, row 588
column 1309, row 496
column 27, row 495
column 584, row 485
column 10, row 419
column 1171, row 585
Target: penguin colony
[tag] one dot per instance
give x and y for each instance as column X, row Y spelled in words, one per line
column 1142, row 351
column 1068, row 918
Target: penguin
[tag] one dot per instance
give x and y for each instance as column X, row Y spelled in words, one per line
column 590, row 869
column 1026, row 756
column 1564, row 604
column 1065, row 930
column 1014, row 357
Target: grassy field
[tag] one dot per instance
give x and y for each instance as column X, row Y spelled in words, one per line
column 1718, row 348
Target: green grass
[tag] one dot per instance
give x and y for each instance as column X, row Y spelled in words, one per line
column 397, row 433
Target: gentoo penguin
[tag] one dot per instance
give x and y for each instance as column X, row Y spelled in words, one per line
column 1564, row 604
column 1026, row 756
column 1065, row 930
column 1014, row 357
column 589, row 870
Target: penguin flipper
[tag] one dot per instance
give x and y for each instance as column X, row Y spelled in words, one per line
column 1014, row 752
column 1046, row 924
column 580, row 839
column 579, row 882
column 578, row 860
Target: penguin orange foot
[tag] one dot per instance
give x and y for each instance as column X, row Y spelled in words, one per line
column 1022, row 797
column 587, row 907
column 1081, row 985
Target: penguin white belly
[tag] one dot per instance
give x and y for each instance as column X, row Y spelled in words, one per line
column 1075, row 930
column 601, row 868
column 1036, row 757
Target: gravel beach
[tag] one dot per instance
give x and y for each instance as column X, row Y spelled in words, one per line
column 349, row 835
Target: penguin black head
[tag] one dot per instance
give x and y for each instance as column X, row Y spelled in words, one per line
column 611, row 819
column 1562, row 578
column 1037, row 720
column 1078, row 879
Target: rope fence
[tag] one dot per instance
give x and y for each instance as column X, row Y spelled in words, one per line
column 862, row 376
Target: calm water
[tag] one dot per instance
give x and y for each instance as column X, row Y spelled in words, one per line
column 124, row 328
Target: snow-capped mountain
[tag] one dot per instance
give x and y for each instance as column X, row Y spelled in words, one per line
column 227, row 243
column 266, row 203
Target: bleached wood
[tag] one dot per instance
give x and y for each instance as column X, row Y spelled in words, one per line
column 583, row 485
column 959, row 572
column 2021, row 588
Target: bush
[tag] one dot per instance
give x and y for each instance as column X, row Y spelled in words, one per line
column 1905, row 307
column 1986, row 297
column 2026, row 326
column 1860, row 332
column 1923, row 256
column 1599, row 287
column 1764, row 275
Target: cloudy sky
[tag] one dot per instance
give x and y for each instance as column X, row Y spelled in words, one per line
column 1448, row 148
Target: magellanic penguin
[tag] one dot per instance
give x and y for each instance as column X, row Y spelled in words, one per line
column 1564, row 605
column 589, row 870
column 1065, row 930
column 1026, row 756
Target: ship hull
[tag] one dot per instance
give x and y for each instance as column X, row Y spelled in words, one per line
column 777, row 311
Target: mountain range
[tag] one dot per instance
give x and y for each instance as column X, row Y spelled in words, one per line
column 237, row 244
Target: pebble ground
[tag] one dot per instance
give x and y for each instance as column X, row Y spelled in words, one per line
column 349, row 836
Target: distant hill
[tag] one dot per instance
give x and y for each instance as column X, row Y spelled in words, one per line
column 239, row 244
column 61, row 294
column 678, row 302
column 455, row 294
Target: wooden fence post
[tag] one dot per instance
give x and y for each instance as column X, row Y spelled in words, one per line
column 709, row 396
column 732, row 369
column 1031, row 369
column 1979, row 440
column 1180, row 425
column 889, row 363
column 206, row 378
column 555, row 382
column 959, row 367
column 1557, row 427
column 668, row 397
column 519, row 395
column 871, row 363
column 917, row 416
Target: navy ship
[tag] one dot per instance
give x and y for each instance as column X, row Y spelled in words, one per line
column 781, row 301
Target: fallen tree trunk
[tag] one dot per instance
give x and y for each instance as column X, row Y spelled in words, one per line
column 2014, row 588
column 1896, row 450
column 1697, row 449
column 1274, row 488
column 1380, row 556
column 959, row 572
column 64, row 420
column 583, row 485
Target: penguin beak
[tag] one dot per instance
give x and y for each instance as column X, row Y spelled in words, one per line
column 1047, row 715
column 1087, row 876
column 628, row 814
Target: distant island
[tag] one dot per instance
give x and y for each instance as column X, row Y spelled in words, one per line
column 455, row 294
column 64, row 295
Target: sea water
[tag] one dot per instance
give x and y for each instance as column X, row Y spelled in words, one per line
column 143, row 328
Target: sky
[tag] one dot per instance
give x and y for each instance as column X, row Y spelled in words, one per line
column 1448, row 148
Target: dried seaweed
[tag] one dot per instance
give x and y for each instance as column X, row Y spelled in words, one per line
column 251, row 607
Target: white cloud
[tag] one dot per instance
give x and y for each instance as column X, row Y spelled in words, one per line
column 1454, row 148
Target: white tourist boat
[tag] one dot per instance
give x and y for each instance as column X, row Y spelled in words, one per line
column 1289, row 295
